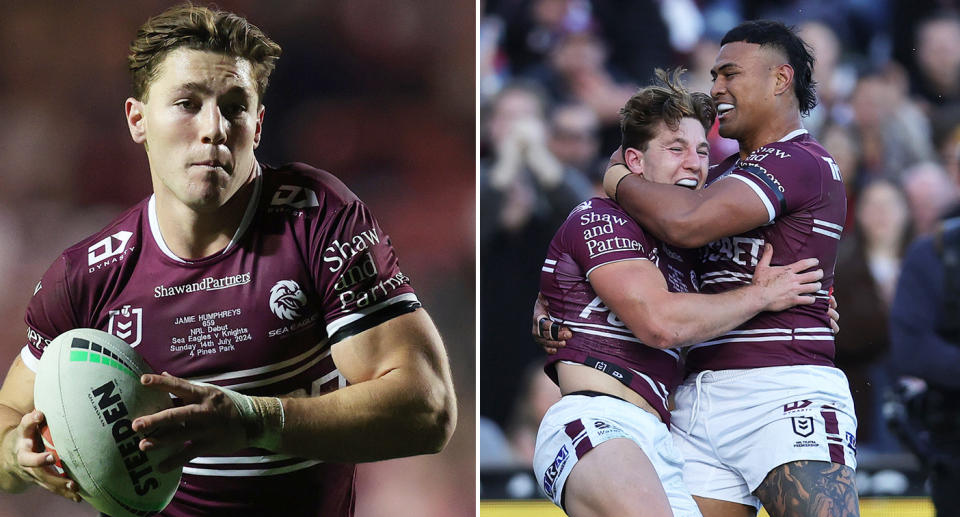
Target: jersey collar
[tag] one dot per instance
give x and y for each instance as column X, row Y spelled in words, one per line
column 244, row 223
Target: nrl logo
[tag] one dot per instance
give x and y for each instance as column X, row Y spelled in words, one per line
column 125, row 323
column 286, row 299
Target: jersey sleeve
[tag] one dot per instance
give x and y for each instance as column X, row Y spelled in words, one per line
column 596, row 235
column 784, row 177
column 358, row 274
column 49, row 313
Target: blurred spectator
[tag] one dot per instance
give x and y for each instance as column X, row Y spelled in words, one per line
column 525, row 192
column 845, row 149
column 835, row 78
column 938, row 59
column 930, row 192
column 574, row 140
column 866, row 274
column 894, row 134
column 535, row 26
column 925, row 339
column 537, row 393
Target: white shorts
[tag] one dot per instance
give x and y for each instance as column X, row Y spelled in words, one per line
column 734, row 426
column 578, row 423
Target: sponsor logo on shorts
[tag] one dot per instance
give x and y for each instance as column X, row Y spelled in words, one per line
column 553, row 470
column 793, row 406
column 851, row 441
column 803, row 426
column 621, row 374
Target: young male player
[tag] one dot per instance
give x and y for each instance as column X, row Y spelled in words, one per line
column 605, row 449
column 276, row 286
column 763, row 415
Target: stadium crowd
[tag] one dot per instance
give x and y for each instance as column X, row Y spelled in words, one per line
column 386, row 111
column 553, row 75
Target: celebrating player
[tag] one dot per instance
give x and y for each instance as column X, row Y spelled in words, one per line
column 763, row 415
column 274, row 286
column 605, row 449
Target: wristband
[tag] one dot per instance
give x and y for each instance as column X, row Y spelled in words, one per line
column 611, row 181
column 262, row 417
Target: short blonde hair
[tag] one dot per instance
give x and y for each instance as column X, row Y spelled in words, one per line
column 199, row 28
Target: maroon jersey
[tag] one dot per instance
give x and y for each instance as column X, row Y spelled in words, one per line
column 800, row 185
column 599, row 232
column 308, row 267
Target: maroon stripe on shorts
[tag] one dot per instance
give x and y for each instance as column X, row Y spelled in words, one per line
column 830, row 421
column 836, row 453
column 574, row 428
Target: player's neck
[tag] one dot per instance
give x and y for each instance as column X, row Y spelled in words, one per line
column 772, row 131
column 191, row 234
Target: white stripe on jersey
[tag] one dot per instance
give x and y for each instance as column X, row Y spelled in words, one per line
column 821, row 222
column 763, row 197
column 826, row 232
column 611, row 262
column 632, row 339
column 728, row 272
column 575, row 324
column 722, row 280
column 800, row 334
column 657, row 388
column 550, row 262
column 793, row 134
column 336, row 325
column 264, row 369
column 227, row 460
column 547, row 269
column 199, row 471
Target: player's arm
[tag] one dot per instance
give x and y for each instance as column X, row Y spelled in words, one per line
column 400, row 402
column 687, row 218
column 636, row 292
column 22, row 463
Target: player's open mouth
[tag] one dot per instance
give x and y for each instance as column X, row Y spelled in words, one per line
column 723, row 108
column 689, row 183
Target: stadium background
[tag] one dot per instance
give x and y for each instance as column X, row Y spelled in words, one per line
column 379, row 93
column 552, row 76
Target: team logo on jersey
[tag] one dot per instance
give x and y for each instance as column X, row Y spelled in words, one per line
column 125, row 323
column 286, row 299
column 113, row 247
column 38, row 287
column 802, row 426
column 795, row 405
column 294, row 196
column 586, row 205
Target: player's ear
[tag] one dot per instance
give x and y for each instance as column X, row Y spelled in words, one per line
column 784, row 78
column 133, row 109
column 634, row 160
column 256, row 134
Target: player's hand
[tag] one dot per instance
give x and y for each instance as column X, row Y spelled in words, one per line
column 35, row 464
column 833, row 314
column 549, row 334
column 208, row 422
column 782, row 287
column 616, row 171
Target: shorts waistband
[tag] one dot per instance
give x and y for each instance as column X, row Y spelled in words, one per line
column 708, row 376
column 591, row 393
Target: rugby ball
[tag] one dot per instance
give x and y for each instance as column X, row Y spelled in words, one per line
column 88, row 387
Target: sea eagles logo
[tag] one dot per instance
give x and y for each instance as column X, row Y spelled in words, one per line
column 286, row 299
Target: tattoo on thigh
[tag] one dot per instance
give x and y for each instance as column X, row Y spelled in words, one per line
column 810, row 489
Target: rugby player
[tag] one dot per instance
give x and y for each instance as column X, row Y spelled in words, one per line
column 763, row 415
column 605, row 449
column 274, row 286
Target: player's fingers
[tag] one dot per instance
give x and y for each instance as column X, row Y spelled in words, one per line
column 810, row 276
column 835, row 327
column 766, row 255
column 175, row 385
column 833, row 314
column 803, row 264
column 30, row 424
column 809, row 288
column 56, row 483
column 833, row 301
column 29, row 459
column 168, row 420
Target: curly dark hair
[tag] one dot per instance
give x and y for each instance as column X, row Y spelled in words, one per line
column 666, row 100
column 783, row 38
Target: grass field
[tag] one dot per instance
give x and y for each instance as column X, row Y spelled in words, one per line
column 869, row 507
